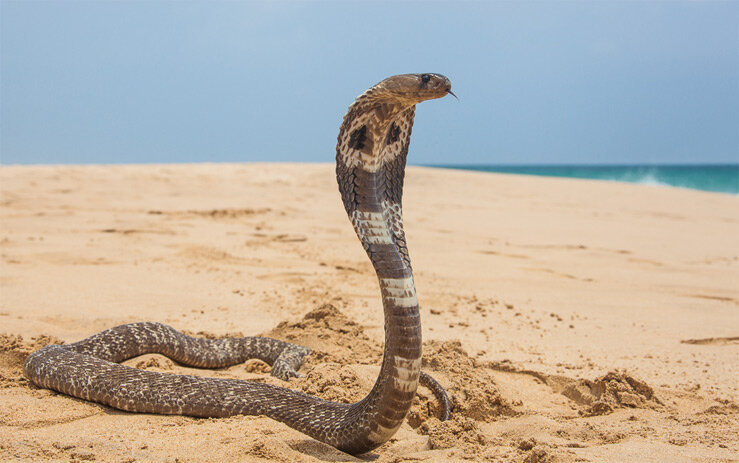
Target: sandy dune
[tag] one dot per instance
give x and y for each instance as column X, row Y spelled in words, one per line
column 571, row 320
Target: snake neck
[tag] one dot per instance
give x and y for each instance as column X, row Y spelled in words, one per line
column 371, row 155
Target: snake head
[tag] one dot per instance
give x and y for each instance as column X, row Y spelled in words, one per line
column 412, row 89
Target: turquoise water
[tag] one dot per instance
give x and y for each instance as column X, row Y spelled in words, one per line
column 723, row 178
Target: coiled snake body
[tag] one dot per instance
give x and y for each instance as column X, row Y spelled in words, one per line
column 370, row 163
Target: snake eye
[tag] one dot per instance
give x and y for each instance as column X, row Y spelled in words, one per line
column 425, row 78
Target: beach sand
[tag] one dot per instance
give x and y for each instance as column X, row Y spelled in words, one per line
column 571, row 320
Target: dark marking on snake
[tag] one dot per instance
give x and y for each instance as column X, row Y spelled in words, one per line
column 392, row 134
column 371, row 187
column 358, row 137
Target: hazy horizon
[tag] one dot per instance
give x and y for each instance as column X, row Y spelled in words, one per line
column 540, row 83
column 410, row 163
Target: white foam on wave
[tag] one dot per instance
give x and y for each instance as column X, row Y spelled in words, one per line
column 641, row 176
column 651, row 180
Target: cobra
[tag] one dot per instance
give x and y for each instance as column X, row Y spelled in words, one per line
column 370, row 163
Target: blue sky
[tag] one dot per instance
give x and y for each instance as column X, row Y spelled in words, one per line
column 539, row 82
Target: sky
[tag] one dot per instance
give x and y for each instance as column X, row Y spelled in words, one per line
column 545, row 82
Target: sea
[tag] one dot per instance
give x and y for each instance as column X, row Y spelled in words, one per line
column 721, row 178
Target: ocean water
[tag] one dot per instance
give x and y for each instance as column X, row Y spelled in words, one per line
column 722, row 178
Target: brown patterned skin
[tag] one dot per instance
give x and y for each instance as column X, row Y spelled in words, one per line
column 370, row 163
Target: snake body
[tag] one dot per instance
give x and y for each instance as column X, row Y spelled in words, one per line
column 370, row 162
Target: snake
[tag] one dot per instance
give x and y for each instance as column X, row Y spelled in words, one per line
column 371, row 152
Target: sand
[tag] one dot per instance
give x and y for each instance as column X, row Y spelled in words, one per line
column 571, row 320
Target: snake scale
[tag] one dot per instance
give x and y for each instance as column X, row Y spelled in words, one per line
column 370, row 163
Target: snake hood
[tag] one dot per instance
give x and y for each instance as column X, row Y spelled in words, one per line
column 377, row 126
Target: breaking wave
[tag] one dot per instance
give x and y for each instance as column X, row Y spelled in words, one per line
column 722, row 178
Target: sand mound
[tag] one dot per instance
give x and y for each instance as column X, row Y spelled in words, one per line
column 469, row 383
column 615, row 389
column 332, row 336
column 332, row 381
